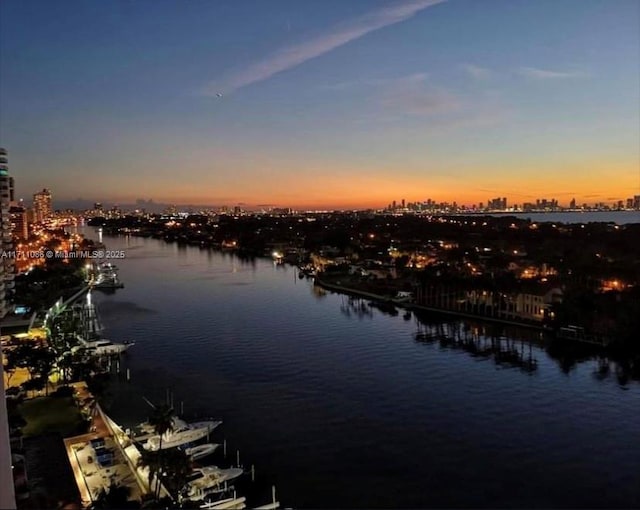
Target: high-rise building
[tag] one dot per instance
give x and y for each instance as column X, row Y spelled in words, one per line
column 7, row 494
column 19, row 223
column 7, row 263
column 42, row 206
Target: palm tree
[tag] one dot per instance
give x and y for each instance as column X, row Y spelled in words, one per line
column 151, row 461
column 161, row 419
column 115, row 496
column 65, row 366
column 44, row 360
column 176, row 466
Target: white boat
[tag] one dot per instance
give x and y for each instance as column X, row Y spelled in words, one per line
column 200, row 451
column 209, row 477
column 173, row 439
column 236, row 503
column 100, row 347
column 182, row 434
column 212, row 424
column 179, row 425
column 203, row 494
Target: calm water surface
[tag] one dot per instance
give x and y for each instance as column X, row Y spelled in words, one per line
column 340, row 406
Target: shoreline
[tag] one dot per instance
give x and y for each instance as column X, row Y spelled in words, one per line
column 494, row 320
column 412, row 306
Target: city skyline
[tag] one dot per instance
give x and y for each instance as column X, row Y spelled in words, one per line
column 322, row 106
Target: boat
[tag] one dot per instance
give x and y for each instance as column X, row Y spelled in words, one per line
column 179, row 425
column 174, row 439
column 211, row 424
column 307, row 270
column 209, row 477
column 100, row 347
column 200, row 451
column 181, row 435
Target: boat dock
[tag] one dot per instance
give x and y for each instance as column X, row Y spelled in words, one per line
column 104, row 456
column 578, row 334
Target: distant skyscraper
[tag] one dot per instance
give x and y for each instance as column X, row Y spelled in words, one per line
column 42, row 205
column 7, row 264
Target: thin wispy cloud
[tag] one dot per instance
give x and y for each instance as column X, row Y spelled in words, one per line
column 433, row 107
column 547, row 74
column 413, row 95
column 294, row 55
column 476, row 72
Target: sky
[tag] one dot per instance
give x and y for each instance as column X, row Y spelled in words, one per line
column 332, row 104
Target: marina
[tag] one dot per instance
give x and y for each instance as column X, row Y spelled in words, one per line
column 382, row 409
column 109, row 457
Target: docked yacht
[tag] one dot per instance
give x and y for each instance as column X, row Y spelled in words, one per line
column 182, row 434
column 201, row 451
column 179, row 424
column 209, row 477
column 100, row 347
